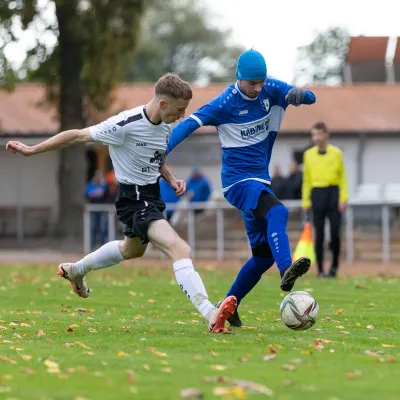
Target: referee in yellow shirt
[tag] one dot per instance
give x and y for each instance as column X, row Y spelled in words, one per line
column 324, row 191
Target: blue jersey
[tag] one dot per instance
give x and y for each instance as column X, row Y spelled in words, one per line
column 247, row 129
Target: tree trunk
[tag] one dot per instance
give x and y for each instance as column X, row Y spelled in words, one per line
column 72, row 169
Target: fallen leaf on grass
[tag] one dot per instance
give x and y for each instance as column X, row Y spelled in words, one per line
column 214, row 379
column 388, row 345
column 157, row 353
column 372, row 352
column 370, row 327
column 92, row 330
column 52, row 366
column 146, row 367
column 253, row 387
column 7, row 359
column 236, row 392
column 344, row 332
column 213, row 353
column 28, row 371
column 296, row 361
column 331, row 319
column 361, row 287
column 41, row 333
column 357, row 324
column 325, row 341
column 122, row 354
column 339, row 311
column 130, row 376
column 249, row 328
column 269, row 357
column 353, row 374
column 243, row 359
column 289, row 367
column 69, row 329
column 191, row 393
column 26, row 357
column 272, row 349
column 166, row 370
column 218, row 367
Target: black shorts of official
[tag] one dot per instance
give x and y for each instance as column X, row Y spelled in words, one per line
column 137, row 206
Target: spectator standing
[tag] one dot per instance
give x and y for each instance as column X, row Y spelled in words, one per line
column 324, row 191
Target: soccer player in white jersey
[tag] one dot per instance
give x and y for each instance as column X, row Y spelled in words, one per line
column 247, row 116
column 137, row 141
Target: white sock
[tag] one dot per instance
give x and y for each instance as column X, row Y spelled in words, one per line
column 192, row 285
column 106, row 256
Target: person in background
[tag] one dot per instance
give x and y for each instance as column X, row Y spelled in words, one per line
column 96, row 192
column 294, row 181
column 279, row 184
column 325, row 193
column 169, row 196
column 198, row 187
column 112, row 184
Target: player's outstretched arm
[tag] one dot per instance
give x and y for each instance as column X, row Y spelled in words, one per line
column 178, row 185
column 62, row 139
column 181, row 132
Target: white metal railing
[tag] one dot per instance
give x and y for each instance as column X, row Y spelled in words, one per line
column 220, row 205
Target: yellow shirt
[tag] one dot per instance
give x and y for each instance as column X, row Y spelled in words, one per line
column 323, row 170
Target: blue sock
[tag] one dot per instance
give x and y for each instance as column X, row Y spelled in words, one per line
column 277, row 237
column 248, row 276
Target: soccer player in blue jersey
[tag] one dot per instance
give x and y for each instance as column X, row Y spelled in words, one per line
column 247, row 116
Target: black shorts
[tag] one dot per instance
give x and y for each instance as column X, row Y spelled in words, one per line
column 137, row 206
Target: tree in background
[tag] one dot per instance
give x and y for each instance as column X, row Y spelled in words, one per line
column 322, row 61
column 80, row 49
column 181, row 40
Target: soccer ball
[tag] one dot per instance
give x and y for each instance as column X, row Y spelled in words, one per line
column 299, row 311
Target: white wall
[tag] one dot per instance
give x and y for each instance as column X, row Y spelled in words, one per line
column 382, row 160
column 33, row 180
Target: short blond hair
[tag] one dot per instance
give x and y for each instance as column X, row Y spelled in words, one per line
column 172, row 86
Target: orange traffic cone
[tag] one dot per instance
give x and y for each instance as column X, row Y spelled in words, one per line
column 305, row 247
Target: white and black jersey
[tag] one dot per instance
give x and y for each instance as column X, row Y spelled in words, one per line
column 137, row 146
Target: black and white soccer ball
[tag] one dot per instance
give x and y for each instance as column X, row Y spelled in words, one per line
column 299, row 311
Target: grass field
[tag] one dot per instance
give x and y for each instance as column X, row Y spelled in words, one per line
column 138, row 336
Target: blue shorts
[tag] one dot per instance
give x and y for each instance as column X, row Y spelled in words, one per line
column 244, row 196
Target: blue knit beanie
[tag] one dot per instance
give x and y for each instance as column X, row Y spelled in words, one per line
column 251, row 66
